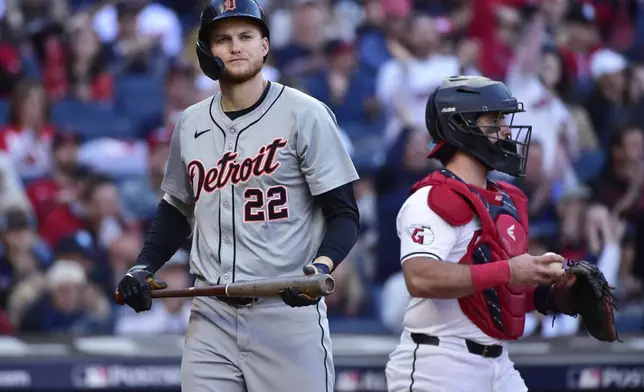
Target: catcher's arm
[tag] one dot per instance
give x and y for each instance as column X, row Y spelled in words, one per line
column 583, row 291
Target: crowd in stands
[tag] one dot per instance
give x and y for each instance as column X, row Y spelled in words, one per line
column 90, row 91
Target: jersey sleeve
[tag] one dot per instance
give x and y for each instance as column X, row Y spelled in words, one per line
column 324, row 159
column 422, row 232
column 175, row 180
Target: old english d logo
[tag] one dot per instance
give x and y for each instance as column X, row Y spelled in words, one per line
column 230, row 5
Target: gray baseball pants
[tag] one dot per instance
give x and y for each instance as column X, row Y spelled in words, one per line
column 264, row 347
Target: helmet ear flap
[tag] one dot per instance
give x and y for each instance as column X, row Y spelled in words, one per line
column 212, row 66
column 431, row 118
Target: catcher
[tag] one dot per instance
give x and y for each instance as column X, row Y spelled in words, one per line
column 464, row 240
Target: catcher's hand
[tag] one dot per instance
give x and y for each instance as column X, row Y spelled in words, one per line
column 584, row 291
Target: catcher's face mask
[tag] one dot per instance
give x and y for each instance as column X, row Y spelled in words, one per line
column 507, row 144
column 476, row 115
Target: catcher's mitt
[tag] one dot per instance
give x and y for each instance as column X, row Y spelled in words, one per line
column 584, row 291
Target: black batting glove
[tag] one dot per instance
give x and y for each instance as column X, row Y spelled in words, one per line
column 135, row 288
column 293, row 297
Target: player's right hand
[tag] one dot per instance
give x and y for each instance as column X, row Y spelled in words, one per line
column 134, row 288
column 532, row 270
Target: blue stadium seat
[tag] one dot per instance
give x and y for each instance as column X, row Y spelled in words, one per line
column 4, row 111
column 139, row 98
column 91, row 120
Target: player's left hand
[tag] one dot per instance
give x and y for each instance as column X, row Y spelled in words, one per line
column 584, row 291
column 293, row 297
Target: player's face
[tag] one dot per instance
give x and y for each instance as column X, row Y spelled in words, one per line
column 239, row 43
column 495, row 126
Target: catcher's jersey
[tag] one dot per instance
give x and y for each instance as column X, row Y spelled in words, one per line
column 423, row 233
column 251, row 181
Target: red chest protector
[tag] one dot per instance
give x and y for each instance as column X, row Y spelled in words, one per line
column 500, row 311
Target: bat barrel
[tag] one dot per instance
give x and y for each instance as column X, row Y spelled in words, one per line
column 311, row 285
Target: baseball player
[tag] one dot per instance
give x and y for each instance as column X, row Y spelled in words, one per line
column 261, row 173
column 463, row 250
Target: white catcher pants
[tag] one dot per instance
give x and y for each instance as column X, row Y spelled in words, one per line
column 448, row 367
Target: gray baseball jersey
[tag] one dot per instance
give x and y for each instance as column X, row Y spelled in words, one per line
column 251, row 181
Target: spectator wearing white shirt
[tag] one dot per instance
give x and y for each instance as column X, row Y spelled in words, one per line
column 405, row 81
column 27, row 137
column 533, row 77
column 153, row 20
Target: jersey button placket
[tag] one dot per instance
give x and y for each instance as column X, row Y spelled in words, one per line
column 243, row 331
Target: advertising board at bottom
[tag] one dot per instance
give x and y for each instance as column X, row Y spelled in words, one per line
column 165, row 375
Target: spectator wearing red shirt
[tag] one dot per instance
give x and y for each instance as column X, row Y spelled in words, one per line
column 98, row 211
column 581, row 40
column 495, row 25
column 27, row 138
column 45, row 194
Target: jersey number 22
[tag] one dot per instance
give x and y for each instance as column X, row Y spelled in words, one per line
column 258, row 204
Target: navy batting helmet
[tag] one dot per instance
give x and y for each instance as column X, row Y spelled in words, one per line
column 452, row 113
column 223, row 9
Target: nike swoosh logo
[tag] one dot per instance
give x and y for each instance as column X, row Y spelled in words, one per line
column 197, row 133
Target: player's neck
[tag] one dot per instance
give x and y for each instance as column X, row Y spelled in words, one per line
column 468, row 169
column 235, row 97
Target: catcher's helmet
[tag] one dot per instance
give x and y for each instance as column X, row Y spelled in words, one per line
column 451, row 117
column 223, row 9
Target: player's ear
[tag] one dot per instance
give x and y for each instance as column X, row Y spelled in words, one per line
column 265, row 46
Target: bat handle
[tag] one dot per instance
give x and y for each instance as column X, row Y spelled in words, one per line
column 117, row 296
column 118, row 299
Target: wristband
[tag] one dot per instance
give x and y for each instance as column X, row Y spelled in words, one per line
column 322, row 268
column 324, row 264
column 485, row 276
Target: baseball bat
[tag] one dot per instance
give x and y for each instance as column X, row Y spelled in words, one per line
column 311, row 285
